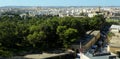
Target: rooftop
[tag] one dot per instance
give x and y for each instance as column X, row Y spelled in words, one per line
column 115, row 40
column 115, row 26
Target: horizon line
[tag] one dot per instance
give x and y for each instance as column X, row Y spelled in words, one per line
column 59, row 6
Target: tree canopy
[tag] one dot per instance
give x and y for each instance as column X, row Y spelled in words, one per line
column 43, row 33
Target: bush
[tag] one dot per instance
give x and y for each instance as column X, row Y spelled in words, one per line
column 5, row 53
column 110, row 34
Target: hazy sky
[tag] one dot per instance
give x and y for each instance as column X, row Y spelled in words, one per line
column 59, row 2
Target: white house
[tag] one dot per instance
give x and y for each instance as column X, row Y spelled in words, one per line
column 115, row 28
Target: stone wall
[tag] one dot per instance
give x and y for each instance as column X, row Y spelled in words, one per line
column 114, row 49
column 92, row 41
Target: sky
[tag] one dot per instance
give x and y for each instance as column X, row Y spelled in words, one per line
column 59, row 2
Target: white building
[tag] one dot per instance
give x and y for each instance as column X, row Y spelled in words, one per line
column 115, row 28
column 23, row 15
column 92, row 14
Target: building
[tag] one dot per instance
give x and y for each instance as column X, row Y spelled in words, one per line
column 88, row 41
column 115, row 28
column 115, row 39
column 92, row 14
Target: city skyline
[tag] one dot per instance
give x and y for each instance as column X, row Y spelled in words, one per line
column 59, row 3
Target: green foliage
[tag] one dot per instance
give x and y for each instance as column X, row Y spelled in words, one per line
column 5, row 53
column 70, row 36
column 43, row 33
column 97, row 21
column 113, row 21
column 67, row 36
column 110, row 34
column 36, row 37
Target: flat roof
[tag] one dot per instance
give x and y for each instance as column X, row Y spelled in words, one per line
column 89, row 35
column 115, row 40
column 115, row 26
column 92, row 32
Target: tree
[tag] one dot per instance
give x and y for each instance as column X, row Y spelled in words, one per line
column 71, row 35
column 67, row 36
column 97, row 22
column 43, row 32
column 36, row 37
